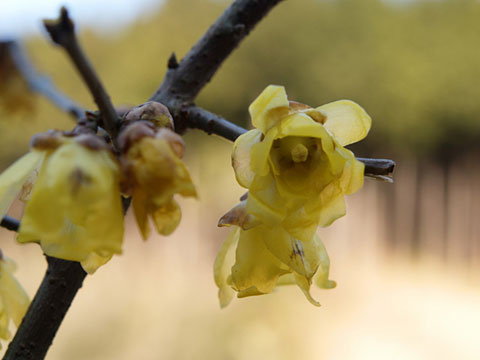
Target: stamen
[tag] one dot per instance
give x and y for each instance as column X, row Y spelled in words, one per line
column 299, row 153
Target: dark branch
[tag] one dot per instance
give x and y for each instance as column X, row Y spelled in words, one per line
column 41, row 84
column 51, row 302
column 197, row 118
column 184, row 81
column 62, row 33
column 10, row 223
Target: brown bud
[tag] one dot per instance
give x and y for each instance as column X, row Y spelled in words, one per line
column 151, row 111
column 93, row 142
column 174, row 140
column 49, row 140
column 134, row 132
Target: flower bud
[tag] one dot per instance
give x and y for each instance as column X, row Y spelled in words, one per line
column 151, row 111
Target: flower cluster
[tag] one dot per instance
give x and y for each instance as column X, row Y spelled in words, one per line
column 297, row 172
column 13, row 299
column 73, row 185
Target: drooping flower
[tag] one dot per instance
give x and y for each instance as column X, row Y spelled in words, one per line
column 294, row 163
column 13, row 299
column 264, row 257
column 74, row 210
column 154, row 174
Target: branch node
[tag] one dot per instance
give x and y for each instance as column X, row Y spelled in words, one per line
column 172, row 61
column 60, row 29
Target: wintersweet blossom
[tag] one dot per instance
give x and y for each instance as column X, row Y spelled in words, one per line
column 264, row 257
column 75, row 209
column 13, row 299
column 294, row 163
column 154, row 174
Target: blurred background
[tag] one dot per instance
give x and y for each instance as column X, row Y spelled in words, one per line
column 407, row 255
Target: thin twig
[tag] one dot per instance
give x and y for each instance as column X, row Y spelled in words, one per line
column 184, row 81
column 62, row 33
column 43, row 318
column 41, row 84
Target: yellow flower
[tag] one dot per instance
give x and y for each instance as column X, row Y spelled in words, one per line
column 13, row 299
column 294, row 163
column 264, row 257
column 156, row 173
column 75, row 210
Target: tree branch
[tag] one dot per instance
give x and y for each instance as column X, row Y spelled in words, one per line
column 10, row 223
column 184, row 81
column 43, row 318
column 62, row 33
column 41, row 84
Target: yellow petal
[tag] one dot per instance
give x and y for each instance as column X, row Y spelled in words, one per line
column 167, row 217
column 300, row 124
column 304, row 284
column 75, row 207
column 140, row 210
column 241, row 156
column 268, row 108
column 13, row 178
column 261, row 151
column 14, row 298
column 346, row 120
column 254, row 264
column 264, row 202
column 353, row 173
column 4, row 322
column 251, row 291
column 301, row 256
column 329, row 206
column 321, row 277
column 223, row 265
column 93, row 262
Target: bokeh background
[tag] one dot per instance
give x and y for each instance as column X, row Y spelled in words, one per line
column 407, row 255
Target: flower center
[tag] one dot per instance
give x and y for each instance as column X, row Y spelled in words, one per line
column 299, row 153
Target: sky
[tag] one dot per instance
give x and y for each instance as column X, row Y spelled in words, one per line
column 20, row 18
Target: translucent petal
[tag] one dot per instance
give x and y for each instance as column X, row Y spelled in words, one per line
column 304, row 284
column 269, row 107
column 93, row 262
column 251, row 291
column 300, row 124
column 4, row 322
column 241, row 156
column 14, row 298
column 264, row 202
column 321, row 278
column 301, row 256
column 167, row 217
column 13, row 178
column 346, row 120
column 140, row 210
column 353, row 173
column 329, row 206
column 223, row 265
column 254, row 264
column 261, row 151
column 75, row 207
